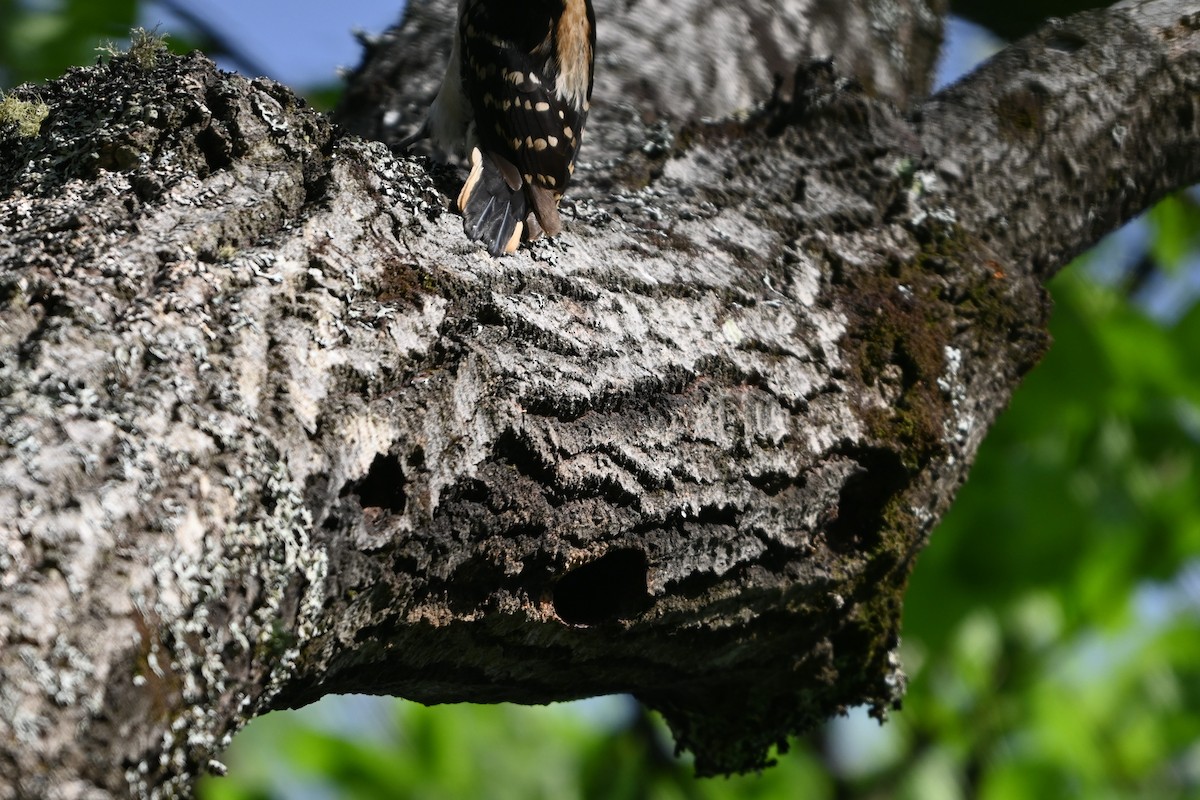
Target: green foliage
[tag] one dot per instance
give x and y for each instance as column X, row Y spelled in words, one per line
column 1176, row 224
column 563, row 752
column 41, row 42
column 41, row 39
column 1057, row 648
column 1087, row 483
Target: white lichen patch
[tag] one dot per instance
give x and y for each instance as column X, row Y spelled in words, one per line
column 961, row 423
column 270, row 549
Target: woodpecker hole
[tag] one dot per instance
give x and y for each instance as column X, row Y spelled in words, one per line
column 611, row 588
column 382, row 486
column 862, row 501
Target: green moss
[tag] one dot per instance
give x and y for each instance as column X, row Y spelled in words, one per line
column 1021, row 113
column 278, row 641
column 900, row 338
column 146, row 48
column 27, row 115
column 906, row 319
column 903, row 318
column 402, row 282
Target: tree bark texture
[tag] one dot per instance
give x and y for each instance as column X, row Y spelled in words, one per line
column 271, row 428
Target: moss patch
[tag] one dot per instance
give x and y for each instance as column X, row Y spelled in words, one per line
column 146, row 48
column 900, row 339
column 26, row 115
column 1021, row 113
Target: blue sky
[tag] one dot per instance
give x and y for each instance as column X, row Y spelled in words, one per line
column 301, row 43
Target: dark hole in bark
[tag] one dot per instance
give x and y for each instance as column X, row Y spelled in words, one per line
column 517, row 450
column 863, row 499
column 215, row 148
column 1186, row 115
column 800, row 192
column 382, row 487
column 611, row 588
column 1066, row 41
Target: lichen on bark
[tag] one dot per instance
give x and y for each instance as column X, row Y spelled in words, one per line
column 270, row 427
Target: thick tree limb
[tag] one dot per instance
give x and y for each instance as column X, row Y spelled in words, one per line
column 272, row 428
column 1085, row 124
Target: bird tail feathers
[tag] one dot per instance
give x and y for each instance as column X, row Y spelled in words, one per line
column 493, row 209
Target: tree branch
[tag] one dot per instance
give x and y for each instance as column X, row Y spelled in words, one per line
column 1077, row 128
column 270, row 427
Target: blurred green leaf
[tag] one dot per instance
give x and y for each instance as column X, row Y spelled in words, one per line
column 1176, row 226
column 42, row 42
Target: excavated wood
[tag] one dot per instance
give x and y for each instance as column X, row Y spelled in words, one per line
column 270, row 427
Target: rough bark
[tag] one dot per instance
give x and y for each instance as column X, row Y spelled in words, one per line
column 271, row 428
column 682, row 59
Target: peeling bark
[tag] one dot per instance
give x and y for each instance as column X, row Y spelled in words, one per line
column 270, row 427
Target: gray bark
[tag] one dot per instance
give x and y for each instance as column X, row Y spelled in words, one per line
column 270, row 427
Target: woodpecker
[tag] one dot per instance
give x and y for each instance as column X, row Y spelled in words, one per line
column 514, row 100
